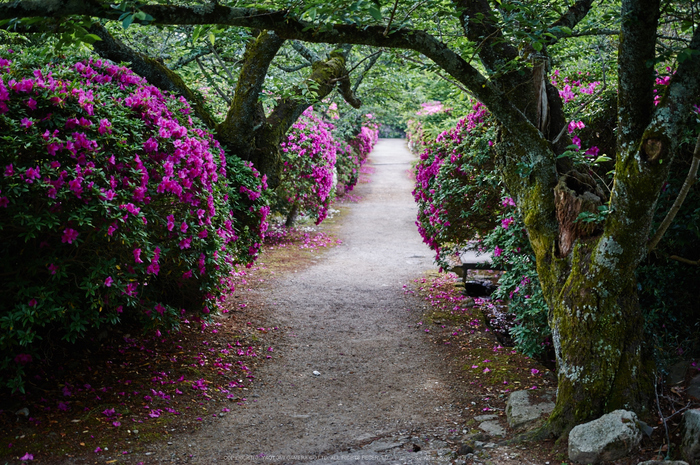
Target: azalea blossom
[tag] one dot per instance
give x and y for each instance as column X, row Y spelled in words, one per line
column 69, row 235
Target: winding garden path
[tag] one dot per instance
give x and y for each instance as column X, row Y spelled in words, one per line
column 349, row 319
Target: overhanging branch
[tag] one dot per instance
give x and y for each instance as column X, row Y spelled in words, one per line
column 289, row 28
column 155, row 72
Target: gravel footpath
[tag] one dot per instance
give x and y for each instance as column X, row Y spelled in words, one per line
column 352, row 382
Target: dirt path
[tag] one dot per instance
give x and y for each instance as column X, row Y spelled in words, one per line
column 346, row 318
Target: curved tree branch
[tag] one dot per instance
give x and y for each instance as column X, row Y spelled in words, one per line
column 570, row 19
column 245, row 115
column 155, row 72
column 308, row 54
column 321, row 82
column 479, row 23
column 372, row 61
column 190, row 58
column 291, row 69
column 212, row 82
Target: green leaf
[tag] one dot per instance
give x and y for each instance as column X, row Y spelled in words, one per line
column 212, row 38
column 127, row 21
column 602, row 159
column 197, row 32
column 121, row 7
column 375, row 13
column 537, row 46
column 91, row 38
column 312, row 14
column 686, row 53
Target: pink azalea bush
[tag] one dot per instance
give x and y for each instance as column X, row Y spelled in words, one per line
column 115, row 206
column 457, row 189
column 461, row 201
column 309, row 157
column 367, row 138
column 357, row 134
column 347, row 165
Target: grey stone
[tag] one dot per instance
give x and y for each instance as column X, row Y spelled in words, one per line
column 663, row 462
column 690, row 446
column 694, row 387
column 493, row 428
column 520, row 412
column 382, row 446
column 465, row 449
column 485, row 417
column 478, row 436
column 608, row 438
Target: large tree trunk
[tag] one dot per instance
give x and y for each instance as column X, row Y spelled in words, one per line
column 587, row 273
column 597, row 331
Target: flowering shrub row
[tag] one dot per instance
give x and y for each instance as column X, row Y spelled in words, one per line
column 456, row 189
column 309, row 157
column 461, row 201
column 358, row 148
column 366, row 140
column 316, row 163
column 347, row 165
column 114, row 206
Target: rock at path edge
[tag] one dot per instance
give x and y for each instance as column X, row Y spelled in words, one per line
column 492, row 428
column 608, row 438
column 521, row 412
column 690, row 447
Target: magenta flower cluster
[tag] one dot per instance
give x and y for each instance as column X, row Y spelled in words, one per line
column 309, row 155
column 113, row 199
column 367, row 138
column 455, row 185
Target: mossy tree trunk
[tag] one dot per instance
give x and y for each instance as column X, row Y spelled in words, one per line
column 597, row 333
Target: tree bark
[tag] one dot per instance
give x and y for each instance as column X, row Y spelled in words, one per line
column 597, row 331
column 292, row 216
